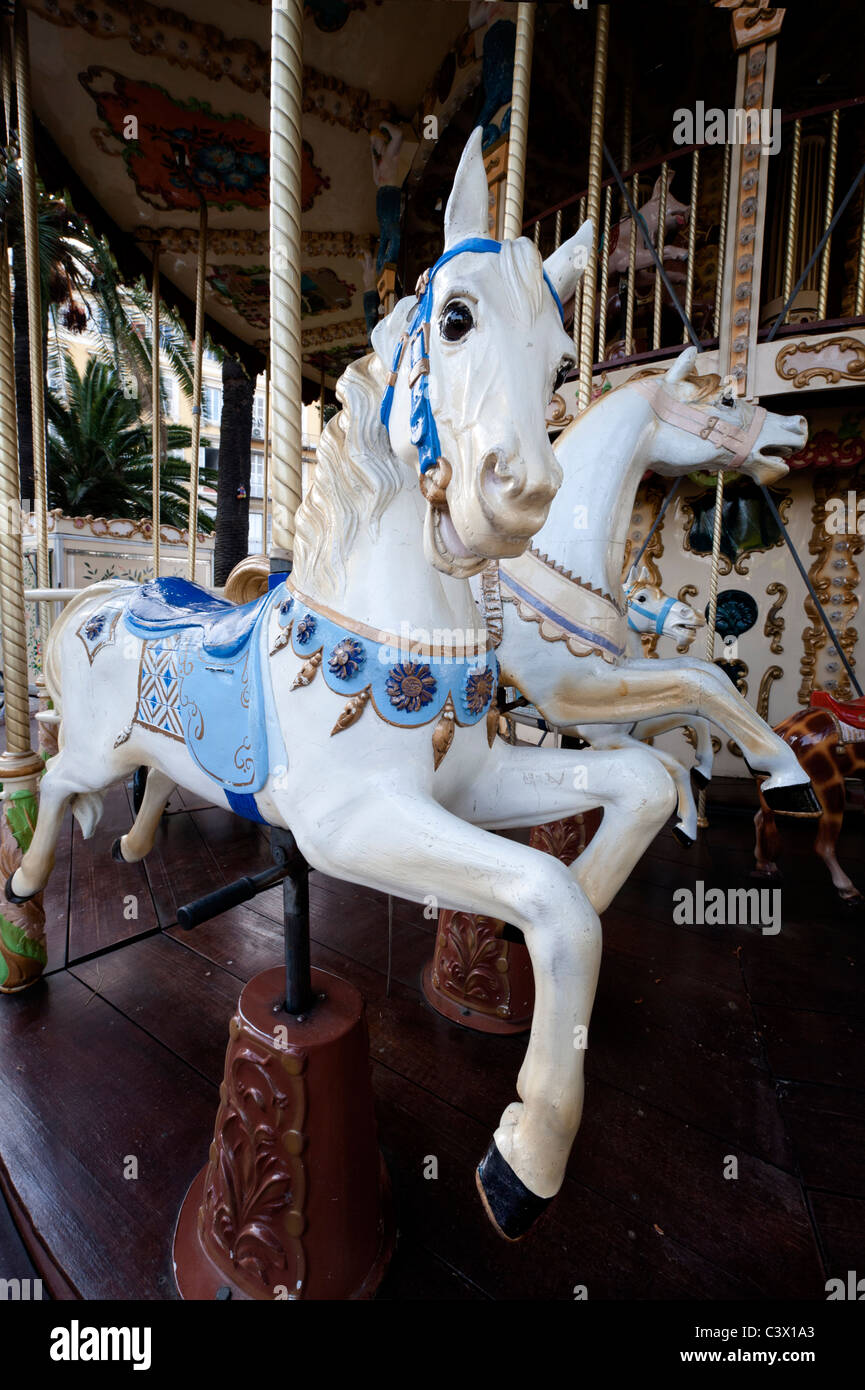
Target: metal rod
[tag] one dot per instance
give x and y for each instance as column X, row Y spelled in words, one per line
column 295, row 906
column 859, row 299
column 13, row 625
column 558, row 236
column 593, row 205
column 842, row 207
column 823, row 293
column 201, row 270
column 518, row 133
column 770, row 502
column 659, row 287
column 658, row 519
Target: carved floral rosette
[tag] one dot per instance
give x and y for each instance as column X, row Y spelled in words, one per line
column 251, row 1217
column 22, row 925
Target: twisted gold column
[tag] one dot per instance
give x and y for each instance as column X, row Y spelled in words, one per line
column 692, row 237
column 631, row 292
column 518, row 134
column 578, row 294
column 558, row 236
column 156, row 412
column 792, row 215
column 605, row 272
column 828, row 210
column 286, row 66
column 593, row 204
column 34, row 306
column 713, row 606
column 659, row 246
column 201, row 269
column 859, row 300
column 722, row 240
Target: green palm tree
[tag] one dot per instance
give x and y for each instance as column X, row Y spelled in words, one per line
column 99, row 453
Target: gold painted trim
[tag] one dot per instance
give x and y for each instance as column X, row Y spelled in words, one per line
column 832, row 375
column 441, row 652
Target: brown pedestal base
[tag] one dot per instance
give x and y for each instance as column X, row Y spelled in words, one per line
column 479, row 980
column 294, row 1202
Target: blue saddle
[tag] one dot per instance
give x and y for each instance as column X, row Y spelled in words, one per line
column 201, row 681
column 170, row 605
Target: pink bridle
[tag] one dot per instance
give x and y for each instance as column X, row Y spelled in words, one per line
column 712, row 428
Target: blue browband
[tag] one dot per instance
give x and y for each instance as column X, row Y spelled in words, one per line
column 424, row 434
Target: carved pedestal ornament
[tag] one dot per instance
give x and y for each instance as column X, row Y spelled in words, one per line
column 293, row 1202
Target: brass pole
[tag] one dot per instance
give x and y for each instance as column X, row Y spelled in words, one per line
column 538, row 234
column 828, row 211
column 692, row 237
column 627, row 118
column 34, row 307
column 156, row 413
column 201, row 271
column 6, row 82
column 593, row 204
column 605, row 272
column 791, row 239
column 518, row 133
column 286, row 71
column 722, row 240
column 22, row 936
column 558, row 236
column 859, row 301
column 630, row 345
column 659, row 284
column 578, row 293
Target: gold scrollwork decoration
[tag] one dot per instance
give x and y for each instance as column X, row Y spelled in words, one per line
column 832, row 371
column 772, row 673
column 773, row 628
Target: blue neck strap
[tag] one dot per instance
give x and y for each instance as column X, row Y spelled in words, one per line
column 424, row 434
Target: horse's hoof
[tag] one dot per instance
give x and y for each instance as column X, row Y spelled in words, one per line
column 116, row 851
column 700, row 778
column 12, row 896
column 800, row 800
column 767, row 875
column 683, row 837
column 512, row 933
column 509, row 1204
column 854, row 901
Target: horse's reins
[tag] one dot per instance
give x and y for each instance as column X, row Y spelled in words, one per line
column 724, row 433
column 424, row 434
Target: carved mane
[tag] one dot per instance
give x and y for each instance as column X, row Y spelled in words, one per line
column 355, row 479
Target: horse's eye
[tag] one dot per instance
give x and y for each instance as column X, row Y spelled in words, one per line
column 641, row 598
column 565, row 366
column 456, row 321
column 728, row 402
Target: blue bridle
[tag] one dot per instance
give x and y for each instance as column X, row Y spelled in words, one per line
column 424, row 434
column 660, row 617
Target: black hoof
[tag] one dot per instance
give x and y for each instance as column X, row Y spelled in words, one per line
column 853, row 903
column 683, row 838
column 800, row 800
column 117, row 853
column 509, row 1204
column 12, row 897
column 512, row 933
column 700, row 778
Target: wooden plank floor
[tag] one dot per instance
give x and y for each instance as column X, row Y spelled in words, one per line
column 707, row 1043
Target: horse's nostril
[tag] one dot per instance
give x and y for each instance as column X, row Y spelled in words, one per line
column 498, row 469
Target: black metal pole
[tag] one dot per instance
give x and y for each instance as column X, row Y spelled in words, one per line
column 658, row 519
column 295, row 907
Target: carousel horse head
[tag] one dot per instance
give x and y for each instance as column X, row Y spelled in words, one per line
column 704, row 425
column 651, row 610
column 473, row 359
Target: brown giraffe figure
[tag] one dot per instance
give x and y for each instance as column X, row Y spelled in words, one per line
column 828, row 738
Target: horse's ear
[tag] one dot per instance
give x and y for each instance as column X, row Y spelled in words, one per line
column 468, row 211
column 565, row 266
column 630, row 580
column 389, row 330
column 683, row 366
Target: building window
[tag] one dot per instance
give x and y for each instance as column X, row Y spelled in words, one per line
column 254, row 537
column 256, row 473
column 258, row 417
column 211, row 404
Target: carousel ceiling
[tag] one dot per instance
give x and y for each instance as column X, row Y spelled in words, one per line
column 124, row 89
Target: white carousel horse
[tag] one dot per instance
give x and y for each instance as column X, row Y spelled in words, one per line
column 652, row 611
column 559, row 608
column 304, row 709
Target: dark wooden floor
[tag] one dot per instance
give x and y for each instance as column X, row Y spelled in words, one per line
column 706, row 1043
